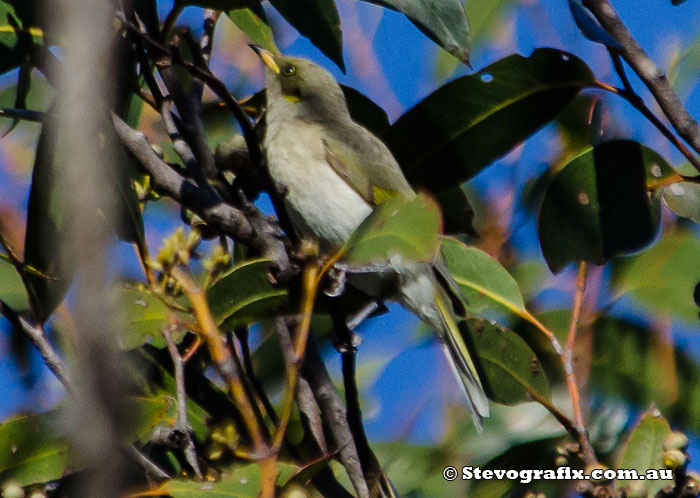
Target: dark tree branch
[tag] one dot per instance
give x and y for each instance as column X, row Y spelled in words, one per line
column 653, row 77
column 334, row 416
column 252, row 228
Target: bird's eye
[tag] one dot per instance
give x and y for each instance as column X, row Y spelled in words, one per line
column 289, row 70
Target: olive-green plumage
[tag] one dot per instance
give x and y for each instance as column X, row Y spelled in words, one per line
column 334, row 172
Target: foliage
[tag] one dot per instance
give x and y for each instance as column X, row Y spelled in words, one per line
column 224, row 339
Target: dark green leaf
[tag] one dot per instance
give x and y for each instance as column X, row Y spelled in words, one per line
column 243, row 482
column 458, row 212
column 662, row 279
column 253, row 23
column 45, row 244
column 443, row 21
column 644, row 450
column 464, row 126
column 245, row 295
column 13, row 51
column 318, row 20
column 683, row 198
column 508, row 368
column 408, row 228
column 365, row 111
column 12, row 290
column 24, row 82
column 522, row 457
column 599, row 205
column 483, row 281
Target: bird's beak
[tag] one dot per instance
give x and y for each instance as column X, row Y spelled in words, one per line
column 267, row 57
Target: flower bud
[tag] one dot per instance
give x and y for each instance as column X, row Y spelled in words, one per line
column 674, row 459
column 676, row 441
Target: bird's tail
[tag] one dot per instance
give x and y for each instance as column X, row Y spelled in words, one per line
column 458, row 356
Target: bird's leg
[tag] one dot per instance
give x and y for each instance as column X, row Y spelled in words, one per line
column 367, row 310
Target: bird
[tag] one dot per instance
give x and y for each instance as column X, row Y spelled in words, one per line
column 334, row 172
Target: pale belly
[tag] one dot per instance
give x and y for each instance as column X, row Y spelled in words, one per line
column 320, row 203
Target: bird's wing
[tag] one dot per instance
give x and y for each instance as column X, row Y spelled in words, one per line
column 363, row 161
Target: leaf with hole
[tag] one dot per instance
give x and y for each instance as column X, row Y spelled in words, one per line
column 464, row 126
column 508, row 368
column 408, row 229
column 600, row 205
column 683, row 198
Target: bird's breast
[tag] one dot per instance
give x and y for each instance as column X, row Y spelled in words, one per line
column 320, row 203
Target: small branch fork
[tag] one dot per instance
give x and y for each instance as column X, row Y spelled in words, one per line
column 653, row 77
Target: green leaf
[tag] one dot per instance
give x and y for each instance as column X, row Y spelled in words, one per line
column 508, row 368
column 12, row 290
column 243, row 482
column 253, row 23
column 485, row 22
column 318, row 20
column 407, row 228
column 631, row 363
column 443, row 21
column 662, row 279
column 245, row 295
column 145, row 414
column 33, row 449
column 599, row 205
column 483, row 281
column 462, row 127
column 683, row 198
column 644, row 450
column 45, row 244
column 143, row 316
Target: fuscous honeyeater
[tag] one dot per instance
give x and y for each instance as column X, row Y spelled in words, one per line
column 334, row 173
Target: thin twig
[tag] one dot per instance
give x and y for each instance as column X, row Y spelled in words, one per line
column 653, row 77
column 576, row 311
column 242, row 334
column 150, row 467
column 182, row 423
column 231, row 372
column 639, row 104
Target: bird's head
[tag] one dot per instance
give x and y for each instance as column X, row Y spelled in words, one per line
column 301, row 87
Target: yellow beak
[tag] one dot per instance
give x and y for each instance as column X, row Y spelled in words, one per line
column 267, row 57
